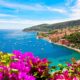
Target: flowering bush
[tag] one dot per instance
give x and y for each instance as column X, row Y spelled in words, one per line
column 18, row 66
column 68, row 72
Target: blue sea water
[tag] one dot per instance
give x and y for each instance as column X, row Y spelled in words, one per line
column 27, row 42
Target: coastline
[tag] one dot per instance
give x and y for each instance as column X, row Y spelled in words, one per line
column 75, row 49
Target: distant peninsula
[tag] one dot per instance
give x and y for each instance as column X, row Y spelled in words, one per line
column 48, row 27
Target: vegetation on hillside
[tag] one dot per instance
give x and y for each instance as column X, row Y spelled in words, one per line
column 74, row 38
column 48, row 27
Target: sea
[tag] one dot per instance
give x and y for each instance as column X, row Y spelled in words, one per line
column 11, row 40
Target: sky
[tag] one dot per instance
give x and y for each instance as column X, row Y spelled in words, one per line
column 20, row 14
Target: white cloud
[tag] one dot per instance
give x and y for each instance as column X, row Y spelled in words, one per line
column 21, row 6
column 17, row 23
column 75, row 10
column 56, row 9
column 68, row 2
column 28, row 22
column 6, row 15
column 20, row 24
column 35, row 7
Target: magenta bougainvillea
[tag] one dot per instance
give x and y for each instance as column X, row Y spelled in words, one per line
column 19, row 66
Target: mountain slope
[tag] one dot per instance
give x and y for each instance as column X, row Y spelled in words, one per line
column 47, row 27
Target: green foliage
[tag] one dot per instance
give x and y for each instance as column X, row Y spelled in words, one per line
column 74, row 37
column 52, row 31
column 43, row 34
column 48, row 27
column 28, row 67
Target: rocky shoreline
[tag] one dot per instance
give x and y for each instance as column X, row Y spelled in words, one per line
column 75, row 49
column 78, row 50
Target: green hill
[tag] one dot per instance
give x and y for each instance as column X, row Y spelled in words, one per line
column 48, row 27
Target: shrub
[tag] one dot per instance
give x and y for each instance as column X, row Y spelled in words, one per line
column 18, row 66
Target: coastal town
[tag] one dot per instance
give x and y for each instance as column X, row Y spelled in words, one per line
column 60, row 37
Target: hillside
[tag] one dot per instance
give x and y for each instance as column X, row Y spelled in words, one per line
column 48, row 27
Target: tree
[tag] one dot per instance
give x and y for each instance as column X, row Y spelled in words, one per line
column 74, row 37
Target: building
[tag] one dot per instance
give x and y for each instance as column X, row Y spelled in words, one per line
column 64, row 42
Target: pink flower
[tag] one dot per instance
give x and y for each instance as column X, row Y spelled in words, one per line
column 1, row 75
column 24, row 76
column 17, row 53
column 75, row 78
column 44, row 60
column 28, row 54
column 68, row 64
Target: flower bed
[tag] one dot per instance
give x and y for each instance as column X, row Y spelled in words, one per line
column 18, row 66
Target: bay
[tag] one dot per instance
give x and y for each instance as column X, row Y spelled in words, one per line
column 11, row 40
